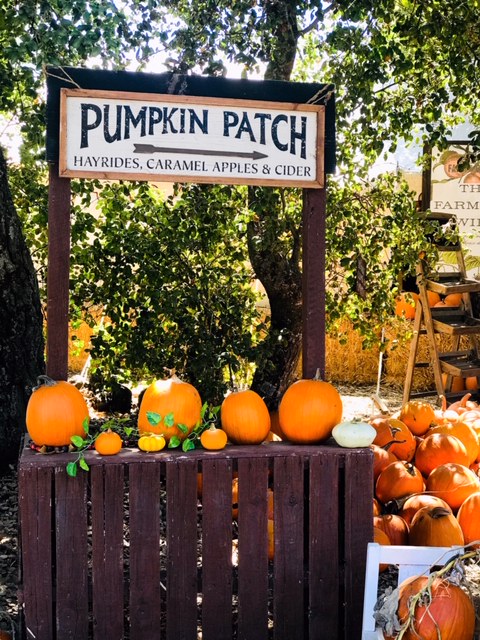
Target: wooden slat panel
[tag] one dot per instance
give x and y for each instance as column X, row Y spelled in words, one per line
column 217, row 550
column 107, row 551
column 358, row 526
column 71, row 554
column 35, row 510
column 182, row 550
column 145, row 597
column 288, row 609
column 252, row 549
column 324, row 558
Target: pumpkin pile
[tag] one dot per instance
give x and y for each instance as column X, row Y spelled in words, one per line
column 426, row 482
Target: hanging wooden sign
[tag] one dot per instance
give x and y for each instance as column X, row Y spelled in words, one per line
column 178, row 138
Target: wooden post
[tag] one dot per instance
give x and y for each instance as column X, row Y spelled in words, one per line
column 58, row 274
column 313, row 345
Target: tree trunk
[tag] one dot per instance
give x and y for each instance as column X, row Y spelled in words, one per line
column 21, row 326
column 278, row 270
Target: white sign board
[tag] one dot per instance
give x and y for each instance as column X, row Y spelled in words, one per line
column 143, row 136
column 458, row 193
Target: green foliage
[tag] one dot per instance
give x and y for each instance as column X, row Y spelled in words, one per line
column 171, row 281
column 170, row 277
column 374, row 238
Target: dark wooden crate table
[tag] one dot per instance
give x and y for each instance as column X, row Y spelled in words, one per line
column 130, row 549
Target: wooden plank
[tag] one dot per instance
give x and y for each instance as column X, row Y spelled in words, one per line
column 58, row 274
column 313, row 285
column 107, row 497
column 182, row 549
column 358, row 528
column 145, row 596
column 288, row 589
column 35, row 488
column 217, row 550
column 252, row 549
column 323, row 555
column 71, row 557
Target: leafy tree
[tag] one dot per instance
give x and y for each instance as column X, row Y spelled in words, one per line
column 170, row 277
column 402, row 68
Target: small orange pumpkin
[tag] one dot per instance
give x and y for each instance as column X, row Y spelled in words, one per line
column 464, row 432
column 453, row 483
column 418, row 415
column 382, row 457
column 56, row 411
column 405, row 304
column 394, row 526
column 108, row 443
column 245, row 417
column 390, row 429
column 398, row 480
column 170, row 396
column 213, row 438
column 418, row 500
column 308, row 411
column 435, row 527
column 468, row 519
column 438, row 449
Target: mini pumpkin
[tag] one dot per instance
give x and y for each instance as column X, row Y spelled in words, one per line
column 108, row 443
column 152, row 442
column 56, row 411
column 213, row 438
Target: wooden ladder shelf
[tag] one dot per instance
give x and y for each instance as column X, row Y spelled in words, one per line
column 453, row 321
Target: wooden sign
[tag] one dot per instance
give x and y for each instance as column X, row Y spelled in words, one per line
column 178, row 138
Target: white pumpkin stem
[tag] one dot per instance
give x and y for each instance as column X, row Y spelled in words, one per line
column 44, row 381
column 318, row 375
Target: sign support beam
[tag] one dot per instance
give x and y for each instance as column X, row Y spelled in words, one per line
column 313, row 285
column 58, row 275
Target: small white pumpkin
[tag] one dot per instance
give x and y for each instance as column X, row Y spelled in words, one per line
column 354, row 434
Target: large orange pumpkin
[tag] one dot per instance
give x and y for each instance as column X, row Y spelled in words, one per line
column 170, row 397
column 397, row 480
column 309, row 410
column 453, row 483
column 245, row 417
column 435, row 527
column 469, row 520
column 418, row 415
column 444, row 611
column 56, row 411
column 437, row 449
